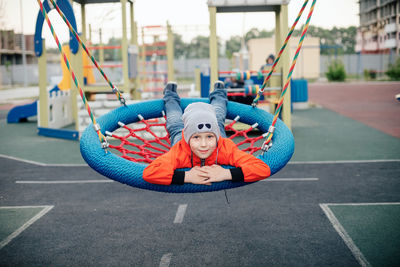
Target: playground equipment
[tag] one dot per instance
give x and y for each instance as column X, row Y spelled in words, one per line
column 252, row 82
column 246, row 86
column 59, row 101
column 57, row 108
column 156, row 60
column 128, row 48
column 60, row 109
column 95, row 151
column 279, row 7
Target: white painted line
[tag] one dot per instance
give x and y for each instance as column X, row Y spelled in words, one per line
column 65, row 182
column 22, row 160
column 345, row 236
column 292, row 162
column 290, row 179
column 345, row 161
column 27, row 224
column 362, row 204
column 180, row 213
column 165, row 260
column 39, row 163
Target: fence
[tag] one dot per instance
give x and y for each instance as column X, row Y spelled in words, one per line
column 184, row 68
column 355, row 64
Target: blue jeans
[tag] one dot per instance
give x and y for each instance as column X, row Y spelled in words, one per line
column 218, row 98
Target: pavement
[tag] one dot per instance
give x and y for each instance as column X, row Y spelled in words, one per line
column 372, row 103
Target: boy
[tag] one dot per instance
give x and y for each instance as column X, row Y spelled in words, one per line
column 204, row 146
column 268, row 63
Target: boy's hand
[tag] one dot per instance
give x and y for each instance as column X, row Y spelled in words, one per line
column 216, row 173
column 197, row 175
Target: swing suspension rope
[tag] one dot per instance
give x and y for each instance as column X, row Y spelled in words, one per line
column 146, row 150
column 96, row 126
column 113, row 87
column 149, row 149
column 260, row 93
column 268, row 143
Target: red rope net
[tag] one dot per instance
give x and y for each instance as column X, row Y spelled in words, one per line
column 148, row 139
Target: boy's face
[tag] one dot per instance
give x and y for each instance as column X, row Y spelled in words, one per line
column 203, row 144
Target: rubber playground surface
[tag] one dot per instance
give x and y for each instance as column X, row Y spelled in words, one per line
column 337, row 203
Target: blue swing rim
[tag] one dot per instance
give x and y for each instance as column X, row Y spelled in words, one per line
column 130, row 173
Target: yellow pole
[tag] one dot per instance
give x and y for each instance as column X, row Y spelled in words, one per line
column 101, row 51
column 170, row 54
column 286, row 115
column 278, row 34
column 77, row 66
column 90, row 34
column 83, row 36
column 133, row 25
column 43, row 100
column 197, row 79
column 142, row 66
column 213, row 45
column 134, row 41
column 277, row 81
column 124, row 48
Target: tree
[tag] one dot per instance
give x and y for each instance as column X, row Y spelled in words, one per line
column 232, row 45
column 393, row 71
column 235, row 42
column 180, row 47
column 336, row 71
column 113, row 54
column 255, row 33
column 199, row 47
column 336, row 40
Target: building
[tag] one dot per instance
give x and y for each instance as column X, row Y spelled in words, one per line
column 11, row 48
column 379, row 30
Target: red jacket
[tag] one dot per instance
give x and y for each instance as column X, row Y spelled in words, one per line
column 161, row 170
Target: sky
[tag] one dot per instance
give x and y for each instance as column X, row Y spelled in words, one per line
column 188, row 18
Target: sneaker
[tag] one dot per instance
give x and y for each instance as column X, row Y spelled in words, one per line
column 219, row 85
column 171, row 86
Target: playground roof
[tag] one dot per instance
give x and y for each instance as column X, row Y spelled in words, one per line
column 247, row 5
column 98, row 1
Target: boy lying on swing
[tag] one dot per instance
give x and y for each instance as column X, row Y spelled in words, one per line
column 204, row 146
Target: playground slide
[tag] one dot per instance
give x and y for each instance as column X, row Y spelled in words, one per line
column 22, row 112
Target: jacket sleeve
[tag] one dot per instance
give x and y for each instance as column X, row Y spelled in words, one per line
column 253, row 169
column 162, row 169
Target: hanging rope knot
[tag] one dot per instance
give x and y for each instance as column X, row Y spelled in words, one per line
column 271, row 129
column 122, row 101
column 96, row 127
column 255, row 100
column 268, row 142
column 103, row 139
column 120, row 97
column 266, row 146
column 105, row 145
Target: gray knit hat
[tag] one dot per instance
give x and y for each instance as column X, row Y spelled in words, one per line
column 199, row 117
